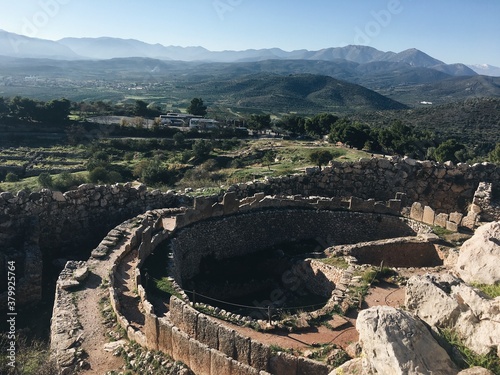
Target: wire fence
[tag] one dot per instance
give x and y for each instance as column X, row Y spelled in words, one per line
column 295, row 308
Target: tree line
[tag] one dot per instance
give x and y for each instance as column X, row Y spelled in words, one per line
column 29, row 110
column 397, row 138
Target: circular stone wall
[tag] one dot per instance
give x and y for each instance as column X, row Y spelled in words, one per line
column 247, row 233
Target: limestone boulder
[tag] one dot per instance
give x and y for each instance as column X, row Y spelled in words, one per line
column 480, row 255
column 395, row 342
column 444, row 301
column 476, row 371
column 352, row 367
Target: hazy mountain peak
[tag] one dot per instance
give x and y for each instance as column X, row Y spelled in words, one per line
column 21, row 46
column 486, row 69
column 103, row 48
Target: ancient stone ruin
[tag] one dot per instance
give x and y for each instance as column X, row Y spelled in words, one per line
column 369, row 212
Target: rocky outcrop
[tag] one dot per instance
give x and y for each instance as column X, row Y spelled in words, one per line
column 480, row 256
column 447, row 302
column 395, row 342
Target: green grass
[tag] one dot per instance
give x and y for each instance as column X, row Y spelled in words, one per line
column 338, row 262
column 165, row 285
column 32, row 358
column 489, row 361
column 441, row 232
column 492, row 291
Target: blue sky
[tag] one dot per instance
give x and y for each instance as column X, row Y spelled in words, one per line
column 465, row 31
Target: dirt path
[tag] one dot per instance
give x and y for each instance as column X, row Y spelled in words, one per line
column 93, row 324
column 129, row 299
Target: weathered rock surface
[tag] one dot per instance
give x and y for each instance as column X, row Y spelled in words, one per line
column 395, row 342
column 476, row 371
column 352, row 367
column 73, row 275
column 480, row 256
column 444, row 301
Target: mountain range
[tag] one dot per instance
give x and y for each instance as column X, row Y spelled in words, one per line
column 13, row 45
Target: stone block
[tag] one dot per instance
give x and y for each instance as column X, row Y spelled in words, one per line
column 452, row 226
column 441, row 219
column 219, row 363
column 428, row 216
column 165, row 336
column 180, row 221
column 242, row 348
column 395, row 205
column 226, row 341
column 259, row 355
column 358, row 204
column 176, row 313
column 190, row 320
column 231, row 203
column 283, row 363
column 217, row 210
column 180, row 346
column 381, row 208
column 238, row 368
column 417, row 211
column 469, row 221
column 207, row 331
column 309, row 367
column 456, row 217
column 333, row 204
column 199, row 354
column 151, row 331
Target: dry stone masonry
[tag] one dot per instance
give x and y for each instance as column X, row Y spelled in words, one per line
column 371, row 200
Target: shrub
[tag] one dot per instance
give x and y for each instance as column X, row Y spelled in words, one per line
column 153, row 172
column 65, row 181
column 45, row 180
column 99, row 175
column 11, row 177
column 202, row 148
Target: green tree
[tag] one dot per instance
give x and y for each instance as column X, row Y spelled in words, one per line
column 98, row 159
column 269, row 158
column 98, row 175
column 45, row 180
column 202, row 148
column 141, row 108
column 55, row 111
column 23, row 108
column 448, row 150
column 179, row 139
column 494, row 155
column 259, row 122
column 152, row 172
column 293, row 123
column 4, row 107
column 320, row 124
column 197, row 107
column 353, row 134
column 320, row 157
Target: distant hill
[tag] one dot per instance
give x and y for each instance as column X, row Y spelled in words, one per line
column 474, row 121
column 446, row 90
column 109, row 48
column 304, row 93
